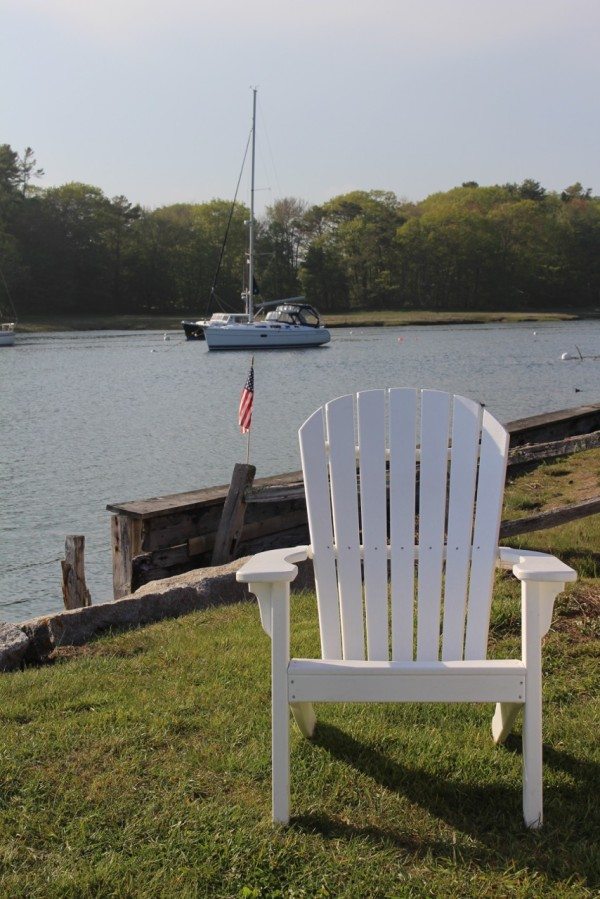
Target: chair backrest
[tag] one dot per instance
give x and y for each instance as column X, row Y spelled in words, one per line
column 398, row 480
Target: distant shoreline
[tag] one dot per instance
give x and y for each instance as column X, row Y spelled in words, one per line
column 370, row 319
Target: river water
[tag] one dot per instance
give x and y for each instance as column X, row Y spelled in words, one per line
column 88, row 418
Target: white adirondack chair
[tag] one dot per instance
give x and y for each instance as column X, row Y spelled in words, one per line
column 368, row 545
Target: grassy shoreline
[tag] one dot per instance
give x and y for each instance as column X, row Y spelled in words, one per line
column 387, row 318
column 139, row 765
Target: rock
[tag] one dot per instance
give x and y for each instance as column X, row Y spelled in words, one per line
column 13, row 646
column 40, row 640
column 168, row 598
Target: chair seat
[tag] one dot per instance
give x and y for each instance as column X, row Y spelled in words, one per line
column 334, row 680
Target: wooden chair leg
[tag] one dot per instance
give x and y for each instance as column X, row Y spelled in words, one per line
column 503, row 720
column 305, row 718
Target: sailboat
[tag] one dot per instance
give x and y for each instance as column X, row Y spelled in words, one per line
column 291, row 323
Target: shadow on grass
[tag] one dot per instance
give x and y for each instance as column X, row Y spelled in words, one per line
column 566, row 847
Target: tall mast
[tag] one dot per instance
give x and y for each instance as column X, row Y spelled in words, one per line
column 250, row 305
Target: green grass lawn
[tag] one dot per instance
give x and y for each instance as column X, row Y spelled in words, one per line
column 139, row 765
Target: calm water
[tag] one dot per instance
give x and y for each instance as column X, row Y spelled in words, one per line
column 96, row 417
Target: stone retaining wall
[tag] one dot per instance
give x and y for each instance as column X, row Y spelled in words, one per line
column 32, row 641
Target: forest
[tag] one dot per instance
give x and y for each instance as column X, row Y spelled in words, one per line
column 72, row 250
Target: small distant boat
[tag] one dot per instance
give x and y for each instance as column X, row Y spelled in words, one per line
column 195, row 330
column 7, row 334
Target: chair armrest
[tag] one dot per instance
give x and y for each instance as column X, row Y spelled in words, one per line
column 542, row 578
column 528, row 565
column 273, row 566
column 268, row 576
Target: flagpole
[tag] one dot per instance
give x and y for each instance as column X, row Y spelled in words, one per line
column 250, row 428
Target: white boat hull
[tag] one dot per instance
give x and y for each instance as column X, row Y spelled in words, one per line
column 255, row 336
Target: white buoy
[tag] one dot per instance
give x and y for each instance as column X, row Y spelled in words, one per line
column 566, row 356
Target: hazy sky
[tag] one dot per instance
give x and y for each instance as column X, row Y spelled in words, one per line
column 151, row 99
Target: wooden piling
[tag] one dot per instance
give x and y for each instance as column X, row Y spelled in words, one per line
column 230, row 526
column 75, row 592
column 126, row 544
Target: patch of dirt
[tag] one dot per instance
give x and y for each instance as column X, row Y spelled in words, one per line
column 578, row 613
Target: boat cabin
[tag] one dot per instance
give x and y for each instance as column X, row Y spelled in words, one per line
column 295, row 314
column 228, row 318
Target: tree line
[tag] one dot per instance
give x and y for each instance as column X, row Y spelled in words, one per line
column 73, row 250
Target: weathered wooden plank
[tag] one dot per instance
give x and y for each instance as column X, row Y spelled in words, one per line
column 273, row 525
column 554, row 425
column 175, row 502
column 278, row 531
column 169, row 530
column 126, row 543
column 297, row 536
column 190, row 500
column 232, row 520
column 75, row 592
column 521, row 455
column 550, row 519
column 275, row 493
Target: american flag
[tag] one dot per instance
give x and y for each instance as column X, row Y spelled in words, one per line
column 246, row 402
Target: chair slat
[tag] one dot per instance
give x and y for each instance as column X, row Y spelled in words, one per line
column 466, row 422
column 402, row 443
column 318, row 506
column 344, row 501
column 490, row 489
column 435, row 423
column 371, row 439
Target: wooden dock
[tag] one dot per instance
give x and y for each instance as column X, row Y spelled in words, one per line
column 168, row 535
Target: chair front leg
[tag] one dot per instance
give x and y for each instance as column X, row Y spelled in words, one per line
column 280, row 711
column 538, row 599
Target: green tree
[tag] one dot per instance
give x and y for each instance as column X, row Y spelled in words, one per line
column 576, row 192
column 67, row 250
column 281, row 245
column 28, row 169
column 323, row 278
column 358, row 231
